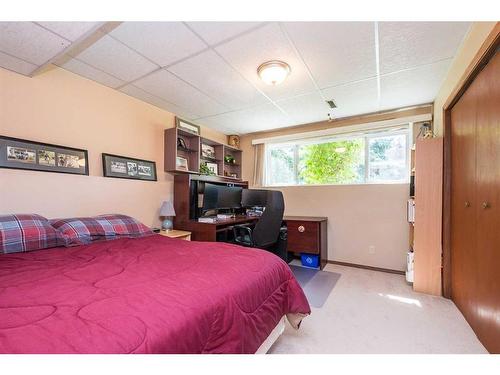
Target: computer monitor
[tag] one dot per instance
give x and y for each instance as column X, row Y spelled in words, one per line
column 210, row 197
column 253, row 197
column 221, row 197
column 229, row 197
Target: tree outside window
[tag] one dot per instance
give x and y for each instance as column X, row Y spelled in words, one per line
column 379, row 158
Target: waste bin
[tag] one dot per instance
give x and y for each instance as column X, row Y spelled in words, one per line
column 280, row 249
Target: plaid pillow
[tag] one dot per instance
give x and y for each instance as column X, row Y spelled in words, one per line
column 124, row 225
column 84, row 230
column 19, row 233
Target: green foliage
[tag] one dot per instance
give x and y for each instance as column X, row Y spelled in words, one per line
column 205, row 170
column 331, row 163
column 284, row 157
column 379, row 147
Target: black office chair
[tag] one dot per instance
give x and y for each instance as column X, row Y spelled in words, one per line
column 266, row 232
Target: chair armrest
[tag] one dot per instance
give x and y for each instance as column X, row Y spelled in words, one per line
column 243, row 235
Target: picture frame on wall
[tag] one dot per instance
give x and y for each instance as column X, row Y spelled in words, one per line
column 16, row 153
column 187, row 126
column 117, row 166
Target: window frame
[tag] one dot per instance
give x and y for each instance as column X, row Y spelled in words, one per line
column 405, row 129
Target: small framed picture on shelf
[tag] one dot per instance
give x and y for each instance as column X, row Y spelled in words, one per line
column 181, row 163
column 213, row 167
column 187, row 126
column 207, row 151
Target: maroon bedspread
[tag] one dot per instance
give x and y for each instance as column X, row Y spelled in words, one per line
column 149, row 295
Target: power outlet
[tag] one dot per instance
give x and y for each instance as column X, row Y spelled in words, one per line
column 371, row 249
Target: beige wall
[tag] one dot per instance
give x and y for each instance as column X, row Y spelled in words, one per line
column 477, row 34
column 62, row 108
column 359, row 216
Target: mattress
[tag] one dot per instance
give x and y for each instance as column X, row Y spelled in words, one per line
column 148, row 295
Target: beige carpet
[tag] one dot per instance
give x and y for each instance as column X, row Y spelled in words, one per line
column 376, row 312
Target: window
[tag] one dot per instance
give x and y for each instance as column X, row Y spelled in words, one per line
column 371, row 157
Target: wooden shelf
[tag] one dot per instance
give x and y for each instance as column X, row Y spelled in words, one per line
column 204, row 158
column 179, row 148
column 193, row 154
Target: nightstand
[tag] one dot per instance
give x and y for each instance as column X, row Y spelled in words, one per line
column 174, row 233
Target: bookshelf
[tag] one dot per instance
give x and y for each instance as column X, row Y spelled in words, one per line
column 425, row 228
column 190, row 153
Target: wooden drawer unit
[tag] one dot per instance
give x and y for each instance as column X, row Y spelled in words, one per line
column 308, row 235
column 303, row 236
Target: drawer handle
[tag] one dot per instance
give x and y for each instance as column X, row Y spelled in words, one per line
column 301, row 229
column 486, row 205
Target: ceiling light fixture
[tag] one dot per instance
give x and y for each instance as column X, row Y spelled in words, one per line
column 273, row 72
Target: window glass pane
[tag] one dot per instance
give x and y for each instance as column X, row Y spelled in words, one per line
column 387, row 158
column 337, row 162
column 281, row 165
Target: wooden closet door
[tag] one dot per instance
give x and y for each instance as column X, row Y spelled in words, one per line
column 463, row 205
column 487, row 91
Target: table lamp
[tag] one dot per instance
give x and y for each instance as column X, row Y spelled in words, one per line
column 167, row 211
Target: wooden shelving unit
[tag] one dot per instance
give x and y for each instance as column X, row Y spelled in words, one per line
column 173, row 151
column 193, row 154
column 428, row 216
column 425, row 231
column 235, row 167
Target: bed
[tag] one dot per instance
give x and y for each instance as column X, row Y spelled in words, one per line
column 146, row 295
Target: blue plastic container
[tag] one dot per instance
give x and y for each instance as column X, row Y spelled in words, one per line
column 309, row 260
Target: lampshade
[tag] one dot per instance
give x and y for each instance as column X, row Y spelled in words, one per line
column 167, row 209
column 273, row 72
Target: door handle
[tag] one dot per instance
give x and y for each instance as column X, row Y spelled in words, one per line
column 486, row 205
column 301, row 229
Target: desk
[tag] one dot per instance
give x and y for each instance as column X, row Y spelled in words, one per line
column 208, row 231
column 306, row 234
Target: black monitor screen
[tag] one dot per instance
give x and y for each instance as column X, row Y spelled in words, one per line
column 221, row 197
column 210, row 197
column 229, row 197
column 252, row 197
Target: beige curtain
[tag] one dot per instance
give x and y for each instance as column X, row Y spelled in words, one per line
column 259, row 156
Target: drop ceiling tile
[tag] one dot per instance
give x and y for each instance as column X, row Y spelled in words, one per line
column 405, row 45
column 162, row 42
column 211, row 74
column 216, row 32
column 80, row 68
column 353, row 98
column 247, row 52
column 304, row 109
column 69, row 30
column 30, row 42
column 170, row 88
column 411, row 87
column 335, row 52
column 136, row 92
column 116, row 59
column 249, row 120
column 16, row 65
